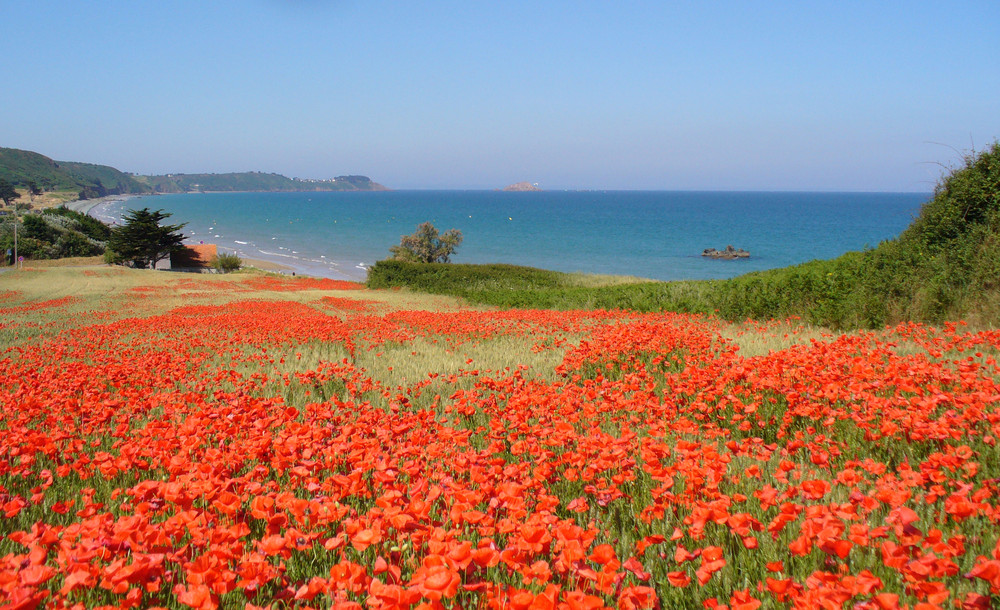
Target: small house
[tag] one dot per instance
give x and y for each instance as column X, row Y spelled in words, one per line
column 196, row 258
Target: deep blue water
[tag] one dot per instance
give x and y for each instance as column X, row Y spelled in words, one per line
column 649, row 234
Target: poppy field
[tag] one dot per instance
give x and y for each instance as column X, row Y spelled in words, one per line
column 255, row 441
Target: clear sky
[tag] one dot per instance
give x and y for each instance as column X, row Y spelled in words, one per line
column 748, row 95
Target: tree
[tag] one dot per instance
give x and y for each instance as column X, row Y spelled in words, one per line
column 427, row 245
column 142, row 241
column 35, row 227
column 7, row 192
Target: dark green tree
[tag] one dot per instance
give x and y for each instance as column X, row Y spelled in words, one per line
column 7, row 192
column 427, row 245
column 35, row 227
column 142, row 241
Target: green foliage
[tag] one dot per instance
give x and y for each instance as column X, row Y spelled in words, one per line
column 35, row 227
column 20, row 166
column 944, row 266
column 227, row 262
column 101, row 180
column 248, row 181
column 88, row 225
column 427, row 245
column 75, row 244
column 23, row 168
column 7, row 192
column 45, row 236
column 530, row 288
column 253, row 181
column 26, row 247
column 142, row 241
column 362, row 183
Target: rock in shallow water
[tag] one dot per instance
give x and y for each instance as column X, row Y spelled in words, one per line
column 728, row 254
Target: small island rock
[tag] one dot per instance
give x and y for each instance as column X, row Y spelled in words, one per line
column 522, row 187
column 729, row 253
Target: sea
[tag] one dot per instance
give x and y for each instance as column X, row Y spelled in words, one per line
column 650, row 234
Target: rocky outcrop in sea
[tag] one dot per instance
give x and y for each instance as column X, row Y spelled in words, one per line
column 729, row 253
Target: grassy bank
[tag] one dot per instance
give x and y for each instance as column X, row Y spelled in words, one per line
column 943, row 267
column 805, row 290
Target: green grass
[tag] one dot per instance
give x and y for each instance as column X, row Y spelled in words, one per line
column 530, row 288
column 812, row 289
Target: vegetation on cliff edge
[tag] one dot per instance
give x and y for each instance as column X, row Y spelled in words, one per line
column 943, row 267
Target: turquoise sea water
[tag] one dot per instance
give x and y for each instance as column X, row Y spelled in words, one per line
column 649, row 234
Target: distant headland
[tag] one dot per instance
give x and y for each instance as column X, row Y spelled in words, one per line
column 89, row 181
column 521, row 187
column 254, row 181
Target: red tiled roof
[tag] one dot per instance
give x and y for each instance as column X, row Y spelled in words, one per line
column 194, row 256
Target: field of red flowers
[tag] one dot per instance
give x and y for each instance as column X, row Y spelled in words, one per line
column 267, row 442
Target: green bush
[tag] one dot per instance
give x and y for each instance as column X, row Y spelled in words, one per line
column 227, row 262
column 46, row 237
column 88, row 225
column 75, row 244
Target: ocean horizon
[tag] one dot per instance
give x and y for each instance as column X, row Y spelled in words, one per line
column 650, row 234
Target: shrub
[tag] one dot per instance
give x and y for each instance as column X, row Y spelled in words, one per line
column 227, row 262
column 75, row 244
column 88, row 225
column 427, row 245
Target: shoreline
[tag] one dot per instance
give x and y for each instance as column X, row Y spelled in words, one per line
column 108, row 211
column 84, row 206
column 264, row 265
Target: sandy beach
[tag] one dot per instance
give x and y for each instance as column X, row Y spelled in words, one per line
column 85, row 206
column 268, row 265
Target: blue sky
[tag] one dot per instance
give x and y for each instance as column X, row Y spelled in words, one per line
column 870, row 96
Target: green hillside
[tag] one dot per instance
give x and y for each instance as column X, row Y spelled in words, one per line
column 254, row 181
column 105, row 180
column 19, row 167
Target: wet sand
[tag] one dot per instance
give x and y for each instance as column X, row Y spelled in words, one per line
column 267, row 265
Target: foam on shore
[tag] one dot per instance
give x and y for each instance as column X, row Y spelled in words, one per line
column 276, row 257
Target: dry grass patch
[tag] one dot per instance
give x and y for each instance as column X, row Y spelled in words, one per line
column 763, row 338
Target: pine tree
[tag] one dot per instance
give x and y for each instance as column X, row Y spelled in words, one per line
column 142, row 241
column 7, row 192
